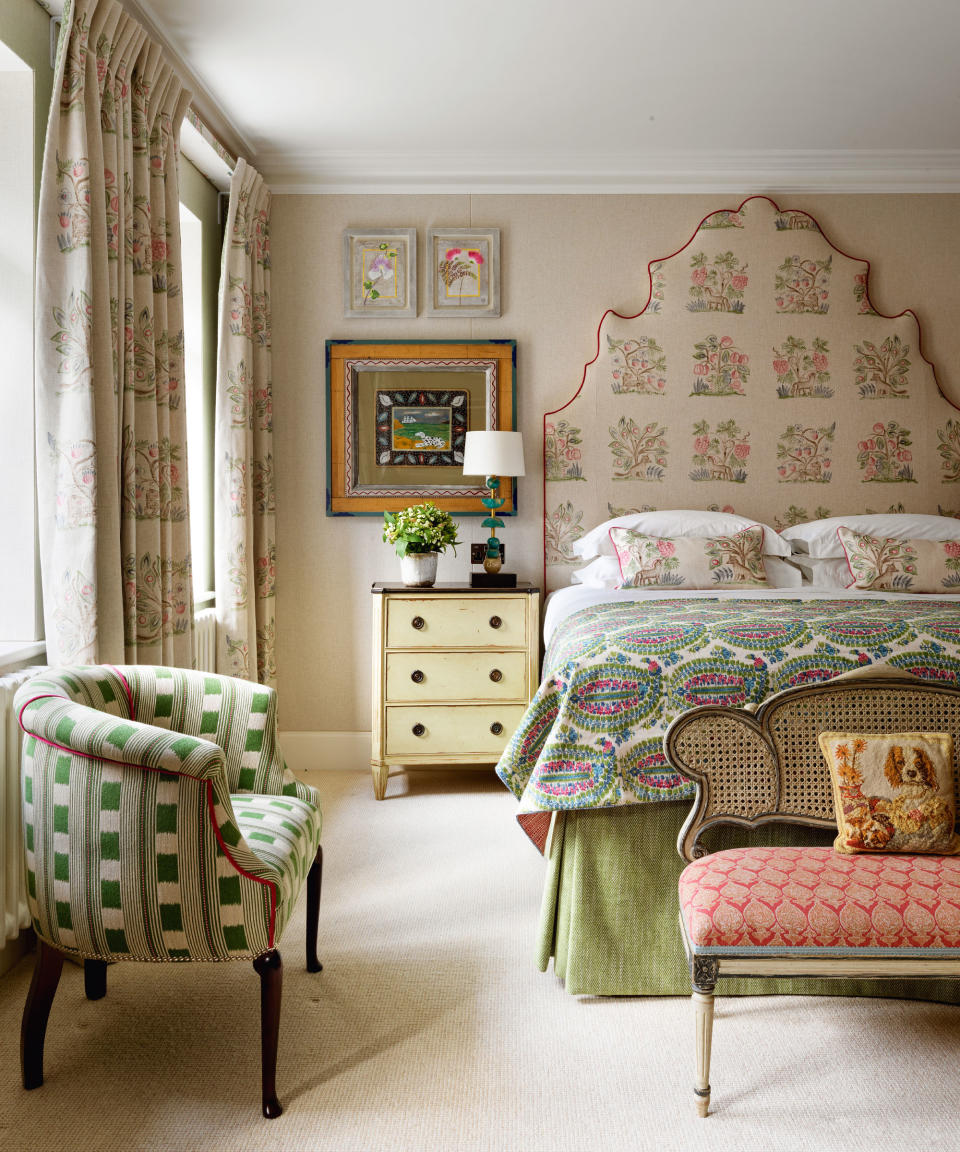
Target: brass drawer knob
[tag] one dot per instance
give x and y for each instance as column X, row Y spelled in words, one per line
column 496, row 675
column 496, row 727
column 418, row 729
column 495, row 621
column 416, row 676
column 417, row 622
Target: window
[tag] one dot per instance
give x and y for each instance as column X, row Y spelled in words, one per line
column 199, row 432
column 20, row 607
column 200, row 236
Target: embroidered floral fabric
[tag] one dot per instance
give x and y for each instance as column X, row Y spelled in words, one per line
column 245, row 511
column 111, row 475
column 758, row 379
column 813, row 898
column 616, row 675
column 892, row 793
column 891, row 565
column 691, row 562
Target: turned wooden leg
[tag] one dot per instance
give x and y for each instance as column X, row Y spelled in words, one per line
column 95, row 979
column 703, row 1015
column 36, row 1012
column 270, row 970
column 381, row 773
column 314, row 877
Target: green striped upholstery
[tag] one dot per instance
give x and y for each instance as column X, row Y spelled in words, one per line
column 136, row 849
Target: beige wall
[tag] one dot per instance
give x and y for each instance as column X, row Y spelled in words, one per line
column 565, row 259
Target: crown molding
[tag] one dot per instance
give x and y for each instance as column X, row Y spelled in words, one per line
column 800, row 171
column 208, row 108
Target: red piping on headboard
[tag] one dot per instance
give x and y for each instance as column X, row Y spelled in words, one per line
column 635, row 315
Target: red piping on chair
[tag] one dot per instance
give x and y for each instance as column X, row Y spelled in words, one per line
column 270, row 884
column 226, row 851
column 123, row 681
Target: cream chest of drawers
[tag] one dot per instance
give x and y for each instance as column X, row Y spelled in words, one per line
column 454, row 668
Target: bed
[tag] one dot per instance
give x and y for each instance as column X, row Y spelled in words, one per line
column 759, row 382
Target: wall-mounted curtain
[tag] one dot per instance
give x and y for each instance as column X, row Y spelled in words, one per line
column 111, row 422
column 245, row 548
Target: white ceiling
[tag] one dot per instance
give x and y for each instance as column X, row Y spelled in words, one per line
column 390, row 95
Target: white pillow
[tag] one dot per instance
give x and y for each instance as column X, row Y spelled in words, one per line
column 817, row 573
column 781, row 573
column 675, row 522
column 819, row 537
column 604, row 572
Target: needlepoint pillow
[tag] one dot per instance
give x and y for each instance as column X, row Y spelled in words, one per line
column 893, row 793
column 690, row 561
column 889, row 564
column 818, row 538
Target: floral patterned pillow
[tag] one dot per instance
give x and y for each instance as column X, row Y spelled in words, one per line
column 893, row 793
column 690, row 561
column 892, row 565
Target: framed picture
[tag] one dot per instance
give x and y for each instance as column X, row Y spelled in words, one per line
column 380, row 272
column 464, row 268
column 397, row 417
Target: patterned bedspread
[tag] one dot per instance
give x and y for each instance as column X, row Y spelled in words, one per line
column 616, row 675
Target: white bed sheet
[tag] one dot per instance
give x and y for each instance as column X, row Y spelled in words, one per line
column 565, row 601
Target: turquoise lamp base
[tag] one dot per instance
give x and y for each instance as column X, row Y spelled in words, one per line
column 491, row 576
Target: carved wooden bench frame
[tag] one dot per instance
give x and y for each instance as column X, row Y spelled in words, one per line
column 755, row 769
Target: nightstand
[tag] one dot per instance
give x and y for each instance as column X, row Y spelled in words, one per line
column 454, row 669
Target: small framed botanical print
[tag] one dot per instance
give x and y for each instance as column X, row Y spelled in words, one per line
column 464, row 269
column 380, row 272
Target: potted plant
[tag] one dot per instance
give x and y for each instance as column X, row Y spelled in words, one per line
column 420, row 534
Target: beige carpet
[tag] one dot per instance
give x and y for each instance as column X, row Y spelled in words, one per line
column 430, row 1027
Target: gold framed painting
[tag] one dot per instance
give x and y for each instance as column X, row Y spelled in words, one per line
column 397, row 415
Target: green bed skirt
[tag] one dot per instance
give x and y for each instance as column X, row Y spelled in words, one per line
column 610, row 917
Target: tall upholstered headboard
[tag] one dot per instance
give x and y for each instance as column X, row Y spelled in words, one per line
column 758, row 378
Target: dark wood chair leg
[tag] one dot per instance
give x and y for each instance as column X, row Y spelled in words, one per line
column 36, row 1012
column 270, row 970
column 314, row 877
column 95, row 979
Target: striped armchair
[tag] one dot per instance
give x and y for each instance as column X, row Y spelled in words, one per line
column 160, row 824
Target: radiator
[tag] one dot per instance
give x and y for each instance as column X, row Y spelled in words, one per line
column 13, row 889
column 205, row 630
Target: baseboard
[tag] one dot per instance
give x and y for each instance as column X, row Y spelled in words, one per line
column 13, row 951
column 313, row 751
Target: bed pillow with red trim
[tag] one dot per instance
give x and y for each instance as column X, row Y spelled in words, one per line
column 893, row 793
column 818, row 538
column 887, row 564
column 734, row 561
column 673, row 522
column 604, row 572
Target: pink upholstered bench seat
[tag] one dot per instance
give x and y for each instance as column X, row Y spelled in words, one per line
column 772, row 899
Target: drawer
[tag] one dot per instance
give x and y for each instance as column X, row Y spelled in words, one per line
column 457, row 622
column 440, row 676
column 451, row 731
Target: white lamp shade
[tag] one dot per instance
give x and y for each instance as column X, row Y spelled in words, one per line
column 493, row 454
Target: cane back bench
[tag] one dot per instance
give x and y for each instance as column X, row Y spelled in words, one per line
column 761, row 911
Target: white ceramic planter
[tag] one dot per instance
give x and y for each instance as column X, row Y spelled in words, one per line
column 419, row 569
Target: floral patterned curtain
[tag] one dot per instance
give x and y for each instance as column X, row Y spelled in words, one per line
column 111, row 456
column 244, row 508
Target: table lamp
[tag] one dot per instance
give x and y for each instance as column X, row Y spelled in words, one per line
column 493, row 454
